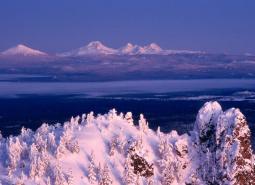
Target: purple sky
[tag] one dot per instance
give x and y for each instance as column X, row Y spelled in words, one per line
column 60, row 25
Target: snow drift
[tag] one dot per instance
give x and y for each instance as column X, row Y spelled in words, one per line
column 111, row 149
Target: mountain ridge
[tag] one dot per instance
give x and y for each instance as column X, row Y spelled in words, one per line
column 96, row 48
column 112, row 149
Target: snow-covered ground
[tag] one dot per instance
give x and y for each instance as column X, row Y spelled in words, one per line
column 114, row 149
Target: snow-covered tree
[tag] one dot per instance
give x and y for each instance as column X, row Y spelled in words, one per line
column 26, row 135
column 128, row 175
column 83, row 119
column 51, row 141
column 159, row 133
column 105, row 176
column 91, row 173
column 39, row 162
column 150, row 181
column 129, row 118
column 58, row 176
column 73, row 146
column 19, row 182
column 48, row 181
column 167, row 175
column 90, row 118
column 92, row 169
column 143, row 124
column 70, row 177
column 112, row 115
column 14, row 150
column 121, row 142
column 113, row 145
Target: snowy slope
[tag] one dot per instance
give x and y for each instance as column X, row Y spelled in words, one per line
column 110, row 149
column 22, row 50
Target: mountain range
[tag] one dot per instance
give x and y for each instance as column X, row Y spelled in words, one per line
column 97, row 62
column 96, row 48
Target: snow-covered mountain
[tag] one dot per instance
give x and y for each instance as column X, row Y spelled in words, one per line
column 152, row 49
column 22, row 50
column 93, row 48
column 97, row 48
column 113, row 149
column 131, row 49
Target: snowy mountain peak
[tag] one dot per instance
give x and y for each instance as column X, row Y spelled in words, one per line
column 135, row 49
column 129, row 45
column 93, row 48
column 96, row 44
column 128, row 49
column 23, row 50
column 155, row 46
column 152, row 48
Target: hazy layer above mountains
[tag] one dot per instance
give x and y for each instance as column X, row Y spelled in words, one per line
column 134, row 67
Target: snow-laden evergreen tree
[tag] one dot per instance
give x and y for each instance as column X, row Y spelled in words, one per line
column 40, row 142
column 74, row 122
column 90, row 118
column 91, row 173
column 112, row 115
column 26, row 135
column 159, row 133
column 121, row 141
column 73, row 146
column 143, row 124
column 129, row 118
column 66, row 141
column 128, row 175
column 163, row 146
column 167, row 160
column 83, row 119
column 51, row 141
column 19, row 182
column 99, row 172
column 113, row 145
column 150, row 181
column 58, row 176
column 138, row 179
column 105, row 176
column 167, row 175
column 70, row 178
column 48, row 181
column 14, row 149
column 92, row 169
column 39, row 162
